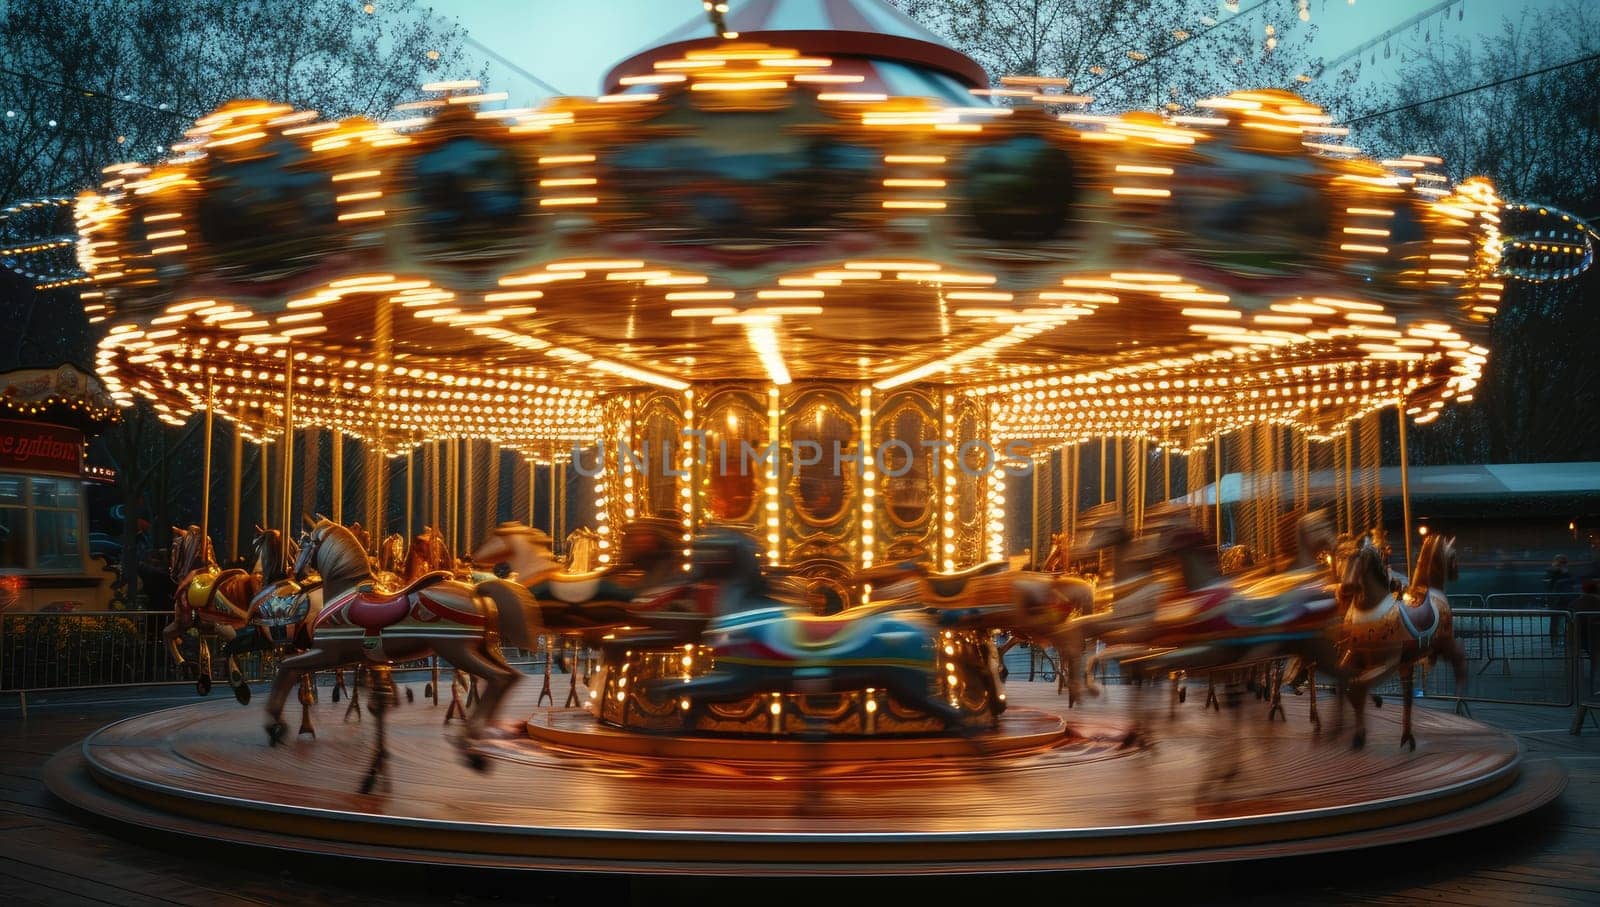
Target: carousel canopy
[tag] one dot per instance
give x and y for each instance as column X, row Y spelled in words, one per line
column 774, row 212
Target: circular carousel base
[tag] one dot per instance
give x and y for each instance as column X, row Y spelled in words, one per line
column 1118, row 785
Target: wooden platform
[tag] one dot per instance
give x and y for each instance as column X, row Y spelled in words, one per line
column 205, row 769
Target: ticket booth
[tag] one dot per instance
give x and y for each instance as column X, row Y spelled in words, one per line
column 44, row 524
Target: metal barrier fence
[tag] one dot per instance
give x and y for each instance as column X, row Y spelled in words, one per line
column 65, row 650
column 1521, row 656
column 1586, row 625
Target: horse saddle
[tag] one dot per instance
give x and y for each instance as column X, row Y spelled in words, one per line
column 807, row 632
column 372, row 609
column 1420, row 619
column 578, row 588
column 958, row 584
column 196, row 588
column 413, row 587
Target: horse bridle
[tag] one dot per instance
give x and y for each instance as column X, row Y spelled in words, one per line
column 309, row 542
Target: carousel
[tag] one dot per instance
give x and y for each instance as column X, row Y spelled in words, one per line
column 832, row 337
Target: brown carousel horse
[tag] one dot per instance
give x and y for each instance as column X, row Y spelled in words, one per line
column 362, row 623
column 1031, row 605
column 279, row 613
column 1385, row 631
column 426, row 553
column 583, row 608
column 391, row 558
column 1205, row 622
column 210, row 599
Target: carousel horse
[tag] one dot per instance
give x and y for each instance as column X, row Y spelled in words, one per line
column 1385, row 631
column 391, row 559
column 280, row 613
column 583, row 549
column 590, row 604
column 362, row 624
column 760, row 646
column 1205, row 622
column 208, row 598
column 639, row 590
column 992, row 596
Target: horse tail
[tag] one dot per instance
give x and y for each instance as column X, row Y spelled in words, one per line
column 518, row 614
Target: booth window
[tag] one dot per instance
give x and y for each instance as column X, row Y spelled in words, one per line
column 40, row 523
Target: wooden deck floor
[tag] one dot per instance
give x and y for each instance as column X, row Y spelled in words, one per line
column 52, row 855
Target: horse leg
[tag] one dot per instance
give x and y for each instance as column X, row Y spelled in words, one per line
column 288, row 670
column 1070, row 668
column 1357, row 693
column 1275, row 680
column 227, row 633
column 1311, row 681
column 456, row 709
column 382, row 687
column 355, row 694
column 433, row 680
column 202, row 681
column 1211, row 693
column 470, row 656
column 544, row 689
column 1406, row 680
column 306, row 698
column 338, row 684
column 171, row 634
column 572, row 683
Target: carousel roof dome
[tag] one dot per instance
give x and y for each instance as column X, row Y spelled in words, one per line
column 896, row 55
column 830, row 196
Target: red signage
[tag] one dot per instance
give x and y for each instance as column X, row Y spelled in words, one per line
column 33, row 447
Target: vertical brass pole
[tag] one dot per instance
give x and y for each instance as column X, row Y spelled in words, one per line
column 1033, row 550
column 1166, row 473
column 336, row 464
column 287, row 455
column 452, row 493
column 205, row 494
column 533, row 484
column 1122, row 495
column 1349, row 491
column 235, row 488
column 491, row 502
column 1405, row 486
column 265, row 462
column 469, row 516
column 380, row 505
column 1066, row 489
column 1076, row 486
column 558, row 479
column 1216, row 487
column 555, row 531
column 433, row 485
column 1102, row 470
column 411, row 462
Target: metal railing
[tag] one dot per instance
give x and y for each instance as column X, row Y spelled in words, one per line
column 1586, row 673
column 63, row 650
column 1518, row 656
column 66, row 650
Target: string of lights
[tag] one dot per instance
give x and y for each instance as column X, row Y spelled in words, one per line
column 1466, row 91
column 163, row 109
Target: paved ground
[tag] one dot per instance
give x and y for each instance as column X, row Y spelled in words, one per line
column 51, row 855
